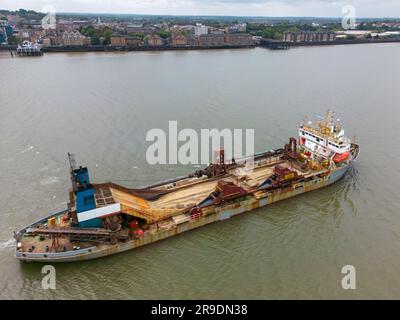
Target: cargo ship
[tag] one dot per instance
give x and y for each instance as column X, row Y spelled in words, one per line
column 106, row 218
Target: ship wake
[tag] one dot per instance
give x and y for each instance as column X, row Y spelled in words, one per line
column 4, row 244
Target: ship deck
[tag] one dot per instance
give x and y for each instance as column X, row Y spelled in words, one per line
column 177, row 197
column 152, row 204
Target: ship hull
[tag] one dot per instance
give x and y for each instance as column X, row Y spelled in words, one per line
column 211, row 215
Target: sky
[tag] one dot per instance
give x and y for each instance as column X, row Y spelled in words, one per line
column 269, row 8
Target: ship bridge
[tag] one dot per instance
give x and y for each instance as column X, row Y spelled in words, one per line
column 326, row 139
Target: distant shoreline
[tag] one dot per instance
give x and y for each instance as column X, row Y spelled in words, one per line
column 265, row 43
column 92, row 48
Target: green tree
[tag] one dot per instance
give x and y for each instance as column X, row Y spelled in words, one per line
column 293, row 29
column 277, row 36
column 141, row 35
column 90, row 31
column 184, row 32
column 164, row 34
column 107, row 36
column 13, row 40
column 268, row 33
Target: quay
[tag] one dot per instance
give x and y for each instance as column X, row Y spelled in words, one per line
column 100, row 48
column 280, row 45
column 37, row 50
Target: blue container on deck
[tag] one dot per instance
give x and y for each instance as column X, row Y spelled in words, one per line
column 84, row 193
column 85, row 199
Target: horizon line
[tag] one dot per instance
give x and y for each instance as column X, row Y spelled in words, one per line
column 202, row 15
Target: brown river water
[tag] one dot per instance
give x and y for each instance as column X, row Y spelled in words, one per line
column 100, row 106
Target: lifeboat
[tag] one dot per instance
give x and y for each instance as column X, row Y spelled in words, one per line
column 339, row 157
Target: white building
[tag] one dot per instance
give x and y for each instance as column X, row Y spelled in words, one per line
column 358, row 34
column 200, row 29
column 240, row 27
column 387, row 34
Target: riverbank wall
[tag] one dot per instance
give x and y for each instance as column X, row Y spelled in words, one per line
column 92, row 48
column 274, row 44
column 265, row 43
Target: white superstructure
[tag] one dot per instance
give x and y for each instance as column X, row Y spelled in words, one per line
column 200, row 29
column 326, row 140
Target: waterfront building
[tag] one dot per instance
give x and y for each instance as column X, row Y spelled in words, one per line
column 210, row 40
column 309, row 36
column 74, row 38
column 134, row 41
column 46, row 42
column 233, row 39
column 30, row 35
column 200, row 29
column 124, row 40
column 179, row 40
column 191, row 39
column 51, row 41
column 117, row 40
column 154, row 40
column 241, row 39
